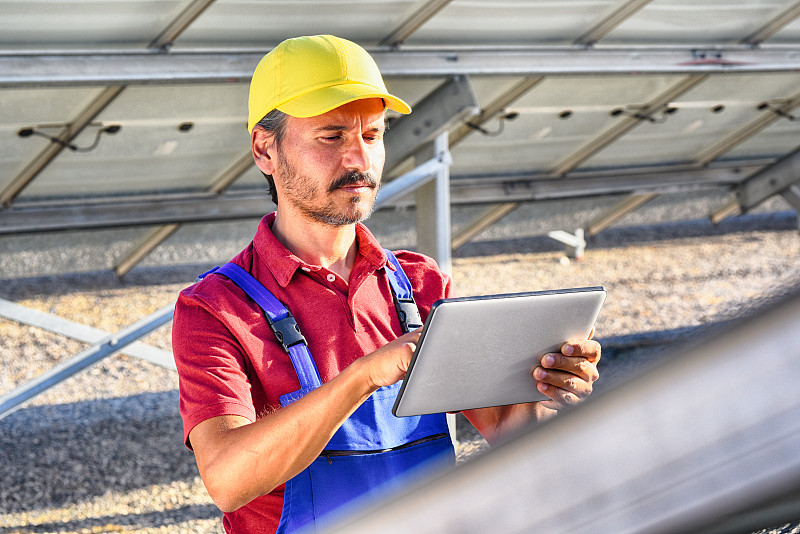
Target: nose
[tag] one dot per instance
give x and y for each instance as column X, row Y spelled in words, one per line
column 357, row 155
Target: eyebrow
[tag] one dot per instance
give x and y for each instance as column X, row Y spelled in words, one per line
column 342, row 128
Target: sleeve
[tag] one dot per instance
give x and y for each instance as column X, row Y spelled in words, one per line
column 212, row 366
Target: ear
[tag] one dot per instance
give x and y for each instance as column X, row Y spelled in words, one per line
column 262, row 143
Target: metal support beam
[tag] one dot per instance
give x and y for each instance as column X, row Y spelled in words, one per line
column 773, row 26
column 36, row 217
column 100, row 350
column 137, row 67
column 748, row 130
column 409, row 182
column 481, row 222
column 680, row 448
column 792, row 196
column 730, row 209
column 780, row 178
column 177, row 26
column 614, row 19
column 422, row 15
column 80, row 332
column 770, row 181
column 451, row 102
column 143, row 248
column 614, row 214
column 433, row 210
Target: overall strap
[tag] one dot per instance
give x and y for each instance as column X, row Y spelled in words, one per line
column 403, row 295
column 282, row 323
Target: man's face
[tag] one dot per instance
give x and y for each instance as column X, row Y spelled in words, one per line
column 329, row 167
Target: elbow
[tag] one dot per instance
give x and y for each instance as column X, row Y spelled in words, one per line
column 228, row 491
column 225, row 496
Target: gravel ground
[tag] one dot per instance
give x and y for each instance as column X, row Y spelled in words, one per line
column 102, row 452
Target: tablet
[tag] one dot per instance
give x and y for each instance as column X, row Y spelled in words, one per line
column 476, row 352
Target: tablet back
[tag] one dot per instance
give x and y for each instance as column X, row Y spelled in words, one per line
column 476, row 352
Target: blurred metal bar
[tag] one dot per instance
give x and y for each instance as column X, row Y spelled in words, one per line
column 483, row 221
column 614, row 19
column 619, row 210
column 180, row 23
column 728, row 210
column 80, row 332
column 143, row 248
column 138, row 67
column 773, row 26
column 100, row 350
column 147, row 210
column 792, row 196
column 761, row 121
column 679, row 448
column 770, row 181
column 413, row 23
column 433, row 207
column 412, row 180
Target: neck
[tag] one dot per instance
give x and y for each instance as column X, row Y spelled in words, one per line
column 316, row 243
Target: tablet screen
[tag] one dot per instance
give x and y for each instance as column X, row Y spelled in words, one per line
column 476, row 352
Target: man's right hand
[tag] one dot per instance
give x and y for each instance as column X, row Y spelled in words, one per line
column 389, row 363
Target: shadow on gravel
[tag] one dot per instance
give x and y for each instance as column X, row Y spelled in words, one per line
column 632, row 235
column 58, row 455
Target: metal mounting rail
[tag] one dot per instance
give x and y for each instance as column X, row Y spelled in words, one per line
column 100, row 350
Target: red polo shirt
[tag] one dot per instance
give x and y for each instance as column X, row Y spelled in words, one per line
column 229, row 362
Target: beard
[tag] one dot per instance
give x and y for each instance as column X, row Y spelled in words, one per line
column 320, row 204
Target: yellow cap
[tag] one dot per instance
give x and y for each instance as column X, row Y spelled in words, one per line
column 309, row 76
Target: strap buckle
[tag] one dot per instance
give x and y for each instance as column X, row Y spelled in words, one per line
column 408, row 313
column 286, row 331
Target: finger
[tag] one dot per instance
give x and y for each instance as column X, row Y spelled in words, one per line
column 585, row 348
column 559, row 398
column 567, row 382
column 576, row 365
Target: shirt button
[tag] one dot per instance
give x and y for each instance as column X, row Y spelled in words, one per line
column 331, row 277
column 306, row 269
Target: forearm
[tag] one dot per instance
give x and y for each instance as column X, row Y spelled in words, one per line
column 249, row 460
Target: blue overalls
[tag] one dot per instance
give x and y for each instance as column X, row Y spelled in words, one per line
column 373, row 453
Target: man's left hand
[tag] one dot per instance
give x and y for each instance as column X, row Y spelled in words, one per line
column 567, row 377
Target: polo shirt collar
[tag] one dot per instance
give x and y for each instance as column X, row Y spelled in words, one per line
column 283, row 263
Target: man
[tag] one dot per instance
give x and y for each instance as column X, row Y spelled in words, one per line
column 277, row 431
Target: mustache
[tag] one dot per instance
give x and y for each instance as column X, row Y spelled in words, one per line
column 354, row 178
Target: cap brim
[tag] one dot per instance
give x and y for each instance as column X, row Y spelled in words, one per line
column 323, row 100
